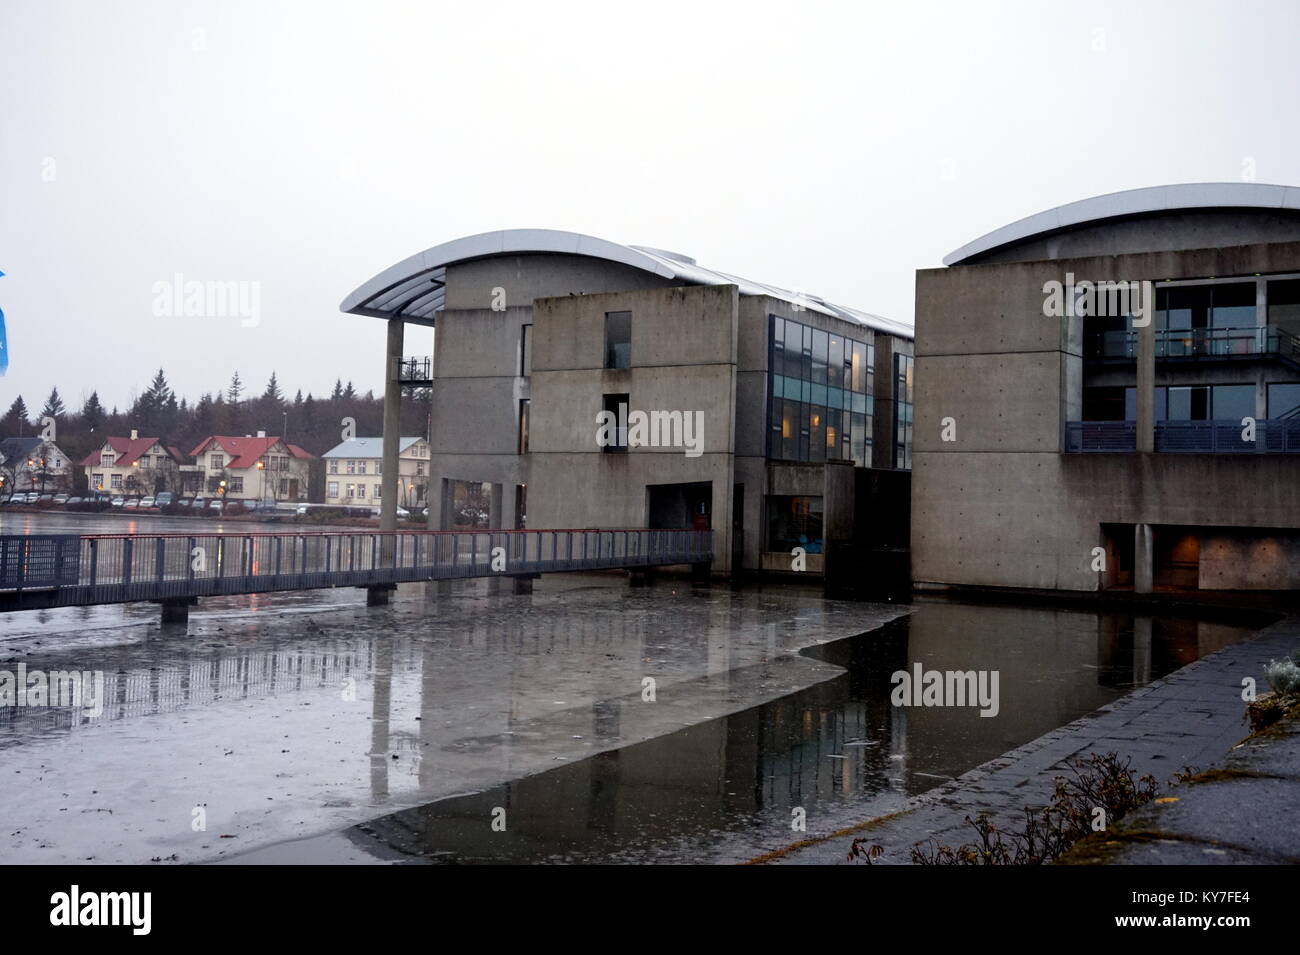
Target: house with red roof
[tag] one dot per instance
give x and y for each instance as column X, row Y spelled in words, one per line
column 133, row 465
column 252, row 468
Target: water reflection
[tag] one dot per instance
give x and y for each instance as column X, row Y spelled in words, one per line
column 838, row 750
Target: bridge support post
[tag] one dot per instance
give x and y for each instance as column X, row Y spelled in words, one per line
column 178, row 610
column 378, row 594
column 641, row 578
column 524, row 583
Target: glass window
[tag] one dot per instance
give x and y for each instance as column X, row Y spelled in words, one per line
column 1232, row 402
column 835, row 364
column 816, row 433
column 618, row 339
column 1284, row 307
column 820, row 353
column 332, row 489
column 859, row 361
column 789, row 431
column 1189, row 404
column 524, row 407
column 794, row 522
column 1232, row 306
column 525, row 350
column 1284, row 400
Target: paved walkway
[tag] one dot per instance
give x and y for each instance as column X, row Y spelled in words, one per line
column 1203, row 822
column 1189, row 719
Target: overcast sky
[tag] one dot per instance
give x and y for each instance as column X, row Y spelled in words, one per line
column 831, row 147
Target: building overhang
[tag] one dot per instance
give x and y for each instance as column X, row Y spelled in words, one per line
column 1153, row 200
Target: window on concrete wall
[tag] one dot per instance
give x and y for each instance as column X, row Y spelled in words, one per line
column 525, row 350
column 524, row 406
column 794, row 522
column 617, row 404
column 903, row 404
column 820, row 394
column 1284, row 400
column 1284, row 306
column 618, row 339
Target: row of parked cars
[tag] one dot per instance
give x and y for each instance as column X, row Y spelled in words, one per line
column 148, row 502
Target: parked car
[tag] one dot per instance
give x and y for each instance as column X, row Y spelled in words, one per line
column 72, row 500
column 118, row 501
column 164, row 499
column 147, row 501
column 60, row 499
column 44, row 500
column 131, row 504
column 215, row 504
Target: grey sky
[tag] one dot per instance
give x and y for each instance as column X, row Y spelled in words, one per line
column 831, row 147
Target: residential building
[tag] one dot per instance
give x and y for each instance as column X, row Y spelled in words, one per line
column 133, row 465
column 33, row 464
column 581, row 383
column 251, row 468
column 1074, row 433
column 354, row 471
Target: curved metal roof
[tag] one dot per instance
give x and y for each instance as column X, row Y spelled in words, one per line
column 415, row 288
column 1151, row 200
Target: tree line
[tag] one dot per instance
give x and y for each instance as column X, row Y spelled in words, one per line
column 313, row 423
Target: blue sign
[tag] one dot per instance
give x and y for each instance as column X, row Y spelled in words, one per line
column 4, row 343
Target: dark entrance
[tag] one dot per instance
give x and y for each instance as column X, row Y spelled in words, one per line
column 681, row 505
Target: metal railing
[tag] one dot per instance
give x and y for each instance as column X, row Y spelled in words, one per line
column 1272, row 436
column 113, row 568
column 1247, row 342
column 1113, row 436
column 415, row 370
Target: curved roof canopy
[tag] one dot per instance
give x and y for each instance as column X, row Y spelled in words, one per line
column 415, row 288
column 1152, row 200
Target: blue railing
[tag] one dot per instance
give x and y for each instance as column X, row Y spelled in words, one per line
column 1271, row 436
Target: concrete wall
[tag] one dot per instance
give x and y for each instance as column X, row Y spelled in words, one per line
column 1001, row 505
column 683, row 358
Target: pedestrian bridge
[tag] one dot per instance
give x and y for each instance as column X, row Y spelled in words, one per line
column 69, row 570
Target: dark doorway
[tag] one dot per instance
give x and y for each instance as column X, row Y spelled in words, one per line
column 681, row 505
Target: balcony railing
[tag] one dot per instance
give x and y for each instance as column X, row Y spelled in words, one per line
column 415, row 371
column 1197, row 343
column 1272, row 436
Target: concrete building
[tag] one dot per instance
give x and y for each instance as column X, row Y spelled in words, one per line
column 354, row 472
column 581, row 383
column 250, row 468
column 133, row 465
column 1076, row 433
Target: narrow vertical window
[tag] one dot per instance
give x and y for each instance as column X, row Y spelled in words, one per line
column 618, row 339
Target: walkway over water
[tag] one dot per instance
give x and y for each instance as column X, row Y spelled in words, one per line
column 62, row 570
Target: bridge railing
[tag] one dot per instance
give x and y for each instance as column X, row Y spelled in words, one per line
column 109, row 568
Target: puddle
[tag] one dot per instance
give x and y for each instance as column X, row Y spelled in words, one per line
column 728, row 789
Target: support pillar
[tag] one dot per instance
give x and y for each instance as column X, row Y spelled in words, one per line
column 392, row 425
column 524, row 583
column 1146, row 387
column 379, row 594
column 1143, row 559
column 177, row 611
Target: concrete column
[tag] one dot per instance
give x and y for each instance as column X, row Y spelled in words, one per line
column 392, row 425
column 1143, row 559
column 1146, row 387
column 497, row 516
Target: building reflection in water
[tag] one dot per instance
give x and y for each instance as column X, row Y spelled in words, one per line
column 837, row 746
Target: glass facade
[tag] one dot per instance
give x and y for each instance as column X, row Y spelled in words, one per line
column 820, row 388
column 903, row 411
column 1188, row 403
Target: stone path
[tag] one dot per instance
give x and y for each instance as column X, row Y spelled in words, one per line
column 1191, row 718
